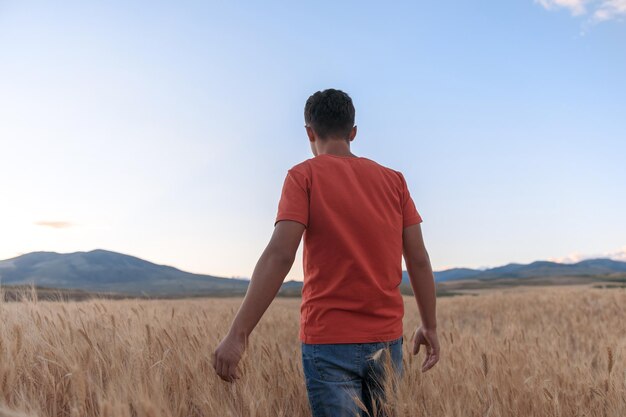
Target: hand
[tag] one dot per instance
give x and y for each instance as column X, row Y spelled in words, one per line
column 428, row 338
column 227, row 356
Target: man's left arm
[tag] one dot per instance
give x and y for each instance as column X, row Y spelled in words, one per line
column 267, row 277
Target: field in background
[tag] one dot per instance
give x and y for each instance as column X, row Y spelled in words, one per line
column 558, row 351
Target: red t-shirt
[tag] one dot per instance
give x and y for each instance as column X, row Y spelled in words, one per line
column 354, row 210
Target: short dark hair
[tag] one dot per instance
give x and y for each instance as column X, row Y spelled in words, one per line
column 329, row 113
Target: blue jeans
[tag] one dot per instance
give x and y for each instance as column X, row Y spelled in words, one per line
column 336, row 373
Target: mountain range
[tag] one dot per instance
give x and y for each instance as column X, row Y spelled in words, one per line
column 106, row 271
column 589, row 267
column 112, row 272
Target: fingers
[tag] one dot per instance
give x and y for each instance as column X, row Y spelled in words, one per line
column 233, row 372
column 427, row 360
column 430, row 361
column 432, row 356
column 222, row 369
column 226, row 357
column 430, row 341
column 226, row 370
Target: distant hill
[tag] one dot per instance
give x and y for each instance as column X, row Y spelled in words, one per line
column 105, row 271
column 101, row 271
column 538, row 269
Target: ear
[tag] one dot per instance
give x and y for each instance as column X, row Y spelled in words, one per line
column 352, row 133
column 310, row 133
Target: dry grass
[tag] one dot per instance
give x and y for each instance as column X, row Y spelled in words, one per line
column 537, row 352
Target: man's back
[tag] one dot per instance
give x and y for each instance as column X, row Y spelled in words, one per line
column 357, row 220
column 355, row 210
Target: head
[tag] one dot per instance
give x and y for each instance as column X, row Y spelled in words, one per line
column 329, row 116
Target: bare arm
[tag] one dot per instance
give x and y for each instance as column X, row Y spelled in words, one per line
column 423, row 284
column 267, row 277
column 420, row 274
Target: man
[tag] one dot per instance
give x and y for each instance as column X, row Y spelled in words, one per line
column 358, row 220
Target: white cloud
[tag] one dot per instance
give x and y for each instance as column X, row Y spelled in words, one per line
column 576, row 7
column 569, row 259
column 598, row 10
column 619, row 255
column 610, row 9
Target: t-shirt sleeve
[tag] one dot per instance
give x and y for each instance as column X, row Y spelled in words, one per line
column 294, row 199
column 410, row 214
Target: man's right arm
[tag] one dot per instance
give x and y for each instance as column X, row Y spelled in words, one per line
column 423, row 284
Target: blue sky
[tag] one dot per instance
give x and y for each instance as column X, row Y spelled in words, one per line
column 165, row 130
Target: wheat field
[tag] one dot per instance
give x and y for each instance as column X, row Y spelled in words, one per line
column 524, row 352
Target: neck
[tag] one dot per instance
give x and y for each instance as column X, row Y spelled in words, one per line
column 335, row 147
